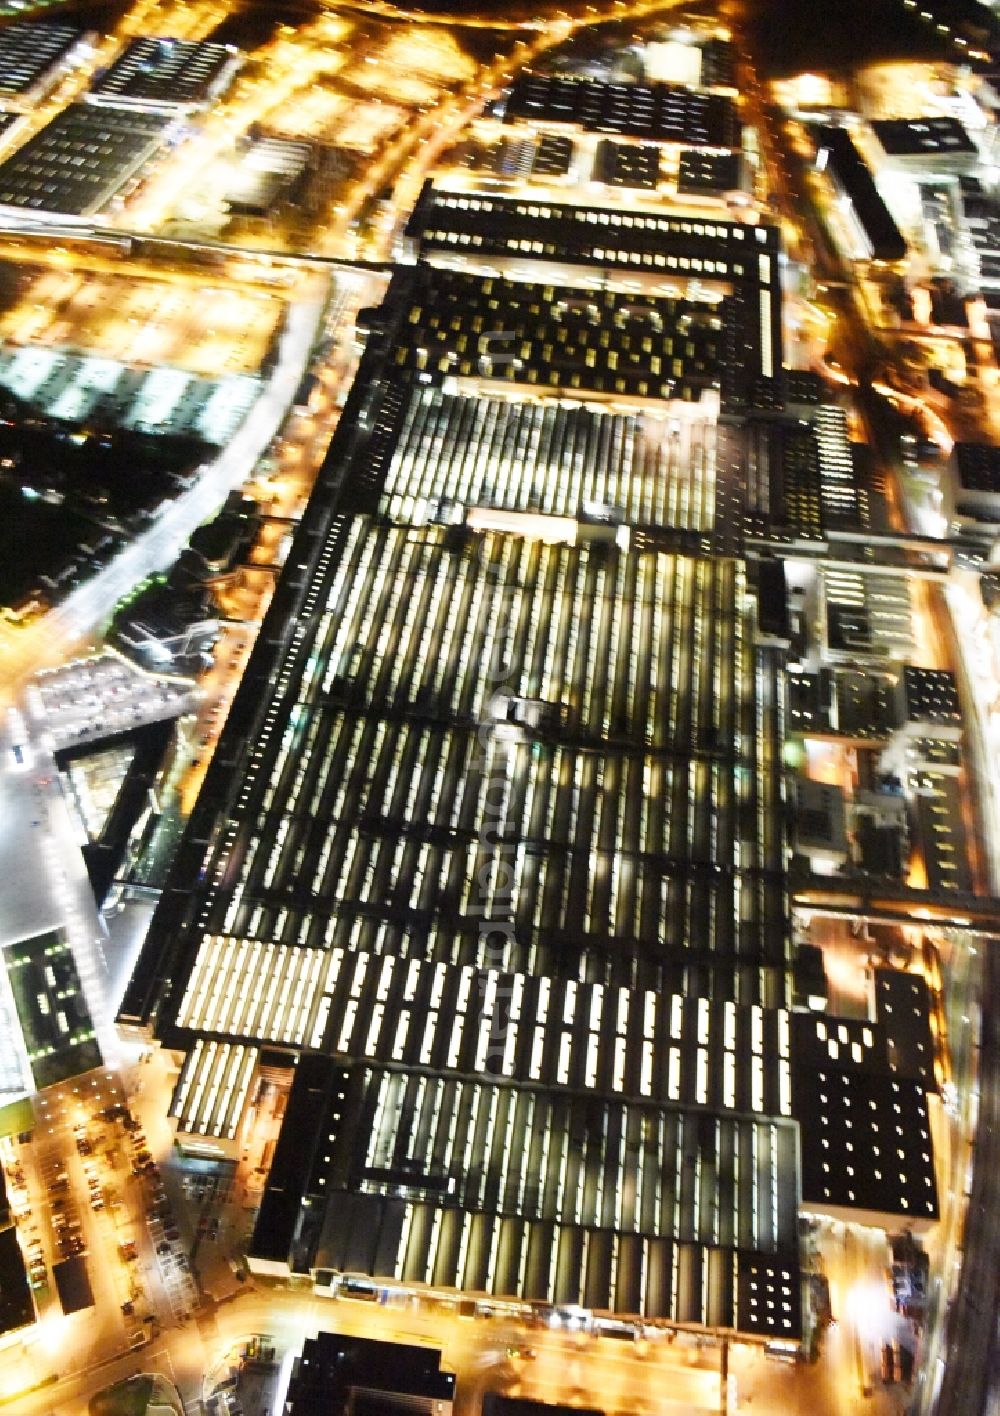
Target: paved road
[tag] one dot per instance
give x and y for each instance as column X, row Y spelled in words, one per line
column 965, row 1374
column 673, row 1378
column 45, row 881
column 967, row 1379
column 50, row 639
column 961, row 1372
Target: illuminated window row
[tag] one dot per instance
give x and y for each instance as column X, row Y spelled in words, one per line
column 378, row 649
column 251, row 989
column 314, row 756
column 425, row 1014
column 211, row 1092
column 608, row 1166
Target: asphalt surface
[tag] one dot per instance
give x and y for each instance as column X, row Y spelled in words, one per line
column 89, row 606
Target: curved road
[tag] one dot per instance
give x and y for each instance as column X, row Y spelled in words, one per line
column 50, row 639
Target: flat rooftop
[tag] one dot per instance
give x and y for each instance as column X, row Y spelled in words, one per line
column 667, row 244
column 664, row 113
column 494, row 1404
column 632, row 165
column 668, row 482
column 336, row 1375
column 269, row 171
column 58, row 1031
column 163, row 72
column 708, row 173
column 978, row 467
column 930, row 695
column 78, row 161
column 527, row 235
column 870, row 1144
column 28, row 51
column 845, row 163
column 17, row 1309
column 565, row 337
column 73, row 1284
column 917, row 137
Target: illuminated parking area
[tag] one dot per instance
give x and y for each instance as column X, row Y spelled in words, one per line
column 87, row 699
column 209, row 332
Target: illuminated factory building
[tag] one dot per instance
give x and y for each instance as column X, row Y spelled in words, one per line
column 495, row 842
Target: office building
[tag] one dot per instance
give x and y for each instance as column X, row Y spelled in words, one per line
column 970, row 485
column 358, row 1376
column 926, row 145
column 878, row 236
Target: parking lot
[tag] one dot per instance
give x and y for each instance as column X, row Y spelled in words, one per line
column 104, row 694
column 185, row 324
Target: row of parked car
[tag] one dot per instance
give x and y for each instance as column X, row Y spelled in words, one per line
column 62, row 1208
